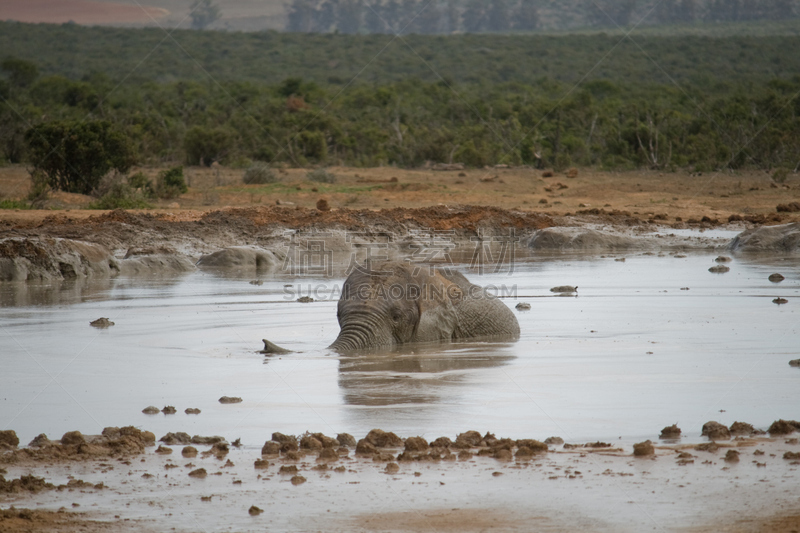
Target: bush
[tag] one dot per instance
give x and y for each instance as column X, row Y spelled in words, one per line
column 143, row 183
column 40, row 188
column 116, row 192
column 75, row 155
column 170, row 183
column 259, row 173
column 321, row 175
column 14, row 204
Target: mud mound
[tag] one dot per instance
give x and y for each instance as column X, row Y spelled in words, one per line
column 783, row 238
column 53, row 259
column 579, row 239
column 382, row 439
column 670, row 432
column 24, row 484
column 715, row 431
column 783, row 427
column 158, row 263
column 241, row 258
column 74, row 446
column 8, row 439
column 643, row 449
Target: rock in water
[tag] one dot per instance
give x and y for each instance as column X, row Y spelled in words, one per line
column 101, row 323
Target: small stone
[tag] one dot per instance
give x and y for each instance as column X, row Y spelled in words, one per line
column 255, row 511
column 230, row 399
column 101, row 323
column 523, row 306
column 199, row 473
column 564, row 288
column 298, row 480
column 776, row 278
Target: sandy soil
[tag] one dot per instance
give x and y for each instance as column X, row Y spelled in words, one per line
column 78, row 11
column 673, row 199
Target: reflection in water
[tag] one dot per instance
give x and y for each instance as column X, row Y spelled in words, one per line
column 63, row 292
column 74, row 290
column 415, row 375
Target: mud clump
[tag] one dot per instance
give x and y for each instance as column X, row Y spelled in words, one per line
column 392, row 468
column 310, row 443
column 255, row 511
column 716, row 431
column 169, row 410
column 189, row 452
column 322, row 205
column 532, row 444
column 783, row 427
column 554, row 441
column 163, row 450
column 468, row 439
column 40, row 441
column 791, row 456
column 28, row 483
column 732, row 456
column 780, row 301
column 383, row 439
column 441, row 442
column 151, row 410
column 346, row 439
column 261, row 464
column 776, row 278
column 791, row 207
column 741, row 428
column 192, row 411
column 199, row 473
column 298, row 480
column 670, row 432
column 271, row 448
column 364, row 447
column 73, row 438
column 197, row 439
column 723, row 259
column 416, row 444
column 172, row 439
column 230, row 399
column 794, row 362
column 328, row 454
column 288, row 469
column 523, row 306
column 101, row 323
column 710, row 447
column 8, row 439
column 719, row 269
column 643, row 449
column 503, row 454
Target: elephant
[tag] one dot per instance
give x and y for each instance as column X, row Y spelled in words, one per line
column 398, row 302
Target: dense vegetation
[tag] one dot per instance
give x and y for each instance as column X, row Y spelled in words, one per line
column 657, row 102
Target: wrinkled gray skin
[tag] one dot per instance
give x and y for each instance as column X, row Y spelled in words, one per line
column 398, row 302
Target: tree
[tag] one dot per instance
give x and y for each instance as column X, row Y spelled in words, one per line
column 20, row 73
column 204, row 13
column 75, row 155
column 206, row 145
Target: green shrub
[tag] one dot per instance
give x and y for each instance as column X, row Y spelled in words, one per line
column 40, row 188
column 259, row 173
column 143, row 183
column 75, row 155
column 779, row 175
column 321, row 175
column 14, row 204
column 170, row 183
column 116, row 193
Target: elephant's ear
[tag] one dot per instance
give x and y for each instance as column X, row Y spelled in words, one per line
column 437, row 321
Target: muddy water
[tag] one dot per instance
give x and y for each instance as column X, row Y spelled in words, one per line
column 627, row 356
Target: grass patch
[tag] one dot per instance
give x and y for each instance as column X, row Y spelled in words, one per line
column 14, row 204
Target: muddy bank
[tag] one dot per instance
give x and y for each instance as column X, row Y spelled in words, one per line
column 263, row 239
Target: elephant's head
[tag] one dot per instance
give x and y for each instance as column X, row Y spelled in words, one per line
column 378, row 308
